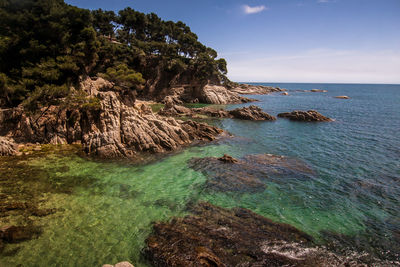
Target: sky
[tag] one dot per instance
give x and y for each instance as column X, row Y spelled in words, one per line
column 332, row 41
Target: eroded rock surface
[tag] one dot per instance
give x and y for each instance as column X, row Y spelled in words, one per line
column 117, row 129
column 7, row 146
column 250, row 173
column 299, row 115
column 252, row 112
column 248, row 89
column 214, row 236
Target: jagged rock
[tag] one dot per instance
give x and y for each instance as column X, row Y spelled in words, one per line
column 7, row 146
column 246, row 113
column 248, row 89
column 252, row 112
column 215, row 236
column 250, row 173
column 216, row 94
column 227, row 159
column 114, row 130
column 342, row 97
column 310, row 115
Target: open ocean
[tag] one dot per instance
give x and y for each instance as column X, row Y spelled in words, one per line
column 350, row 202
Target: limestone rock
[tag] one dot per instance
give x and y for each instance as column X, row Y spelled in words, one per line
column 7, row 146
column 216, row 94
column 309, row 116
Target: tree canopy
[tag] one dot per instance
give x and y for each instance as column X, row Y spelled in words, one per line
column 47, row 45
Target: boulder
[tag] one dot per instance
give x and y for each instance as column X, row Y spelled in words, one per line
column 227, row 159
column 252, row 113
column 342, row 97
column 7, row 146
column 318, row 91
column 306, row 116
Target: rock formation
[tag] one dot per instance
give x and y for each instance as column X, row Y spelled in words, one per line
column 250, row 173
column 215, row 236
column 310, row 115
column 115, row 129
column 248, row 89
column 7, row 146
column 252, row 112
column 318, row 91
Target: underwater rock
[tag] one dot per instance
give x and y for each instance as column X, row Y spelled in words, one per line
column 249, row 173
column 299, row 115
column 14, row 234
column 215, row 236
column 7, row 146
column 120, row 264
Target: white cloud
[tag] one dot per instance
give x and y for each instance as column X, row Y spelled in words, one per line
column 253, row 9
column 319, row 65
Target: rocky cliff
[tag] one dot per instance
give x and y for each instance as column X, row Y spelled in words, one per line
column 118, row 128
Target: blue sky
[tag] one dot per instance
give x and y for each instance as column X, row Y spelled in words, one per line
column 354, row 41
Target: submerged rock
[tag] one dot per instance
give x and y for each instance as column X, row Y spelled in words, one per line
column 7, row 146
column 299, row 115
column 14, row 234
column 214, row 236
column 249, row 173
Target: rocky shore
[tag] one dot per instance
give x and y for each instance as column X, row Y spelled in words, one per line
column 117, row 128
column 252, row 112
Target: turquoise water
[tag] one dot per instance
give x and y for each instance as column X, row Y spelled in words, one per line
column 105, row 210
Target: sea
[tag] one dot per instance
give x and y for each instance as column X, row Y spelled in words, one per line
column 105, row 210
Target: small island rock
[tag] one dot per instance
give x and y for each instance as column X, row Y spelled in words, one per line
column 299, row 115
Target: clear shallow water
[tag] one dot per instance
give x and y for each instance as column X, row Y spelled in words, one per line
column 105, row 210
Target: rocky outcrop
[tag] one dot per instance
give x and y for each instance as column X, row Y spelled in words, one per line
column 318, row 91
column 115, row 129
column 307, row 116
column 248, row 89
column 252, row 112
column 214, row 236
column 250, row 173
column 216, row 94
column 7, row 146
